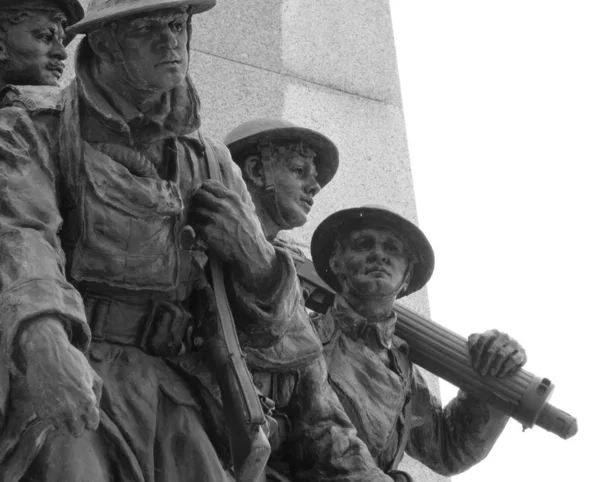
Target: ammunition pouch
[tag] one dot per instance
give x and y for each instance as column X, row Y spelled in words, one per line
column 157, row 327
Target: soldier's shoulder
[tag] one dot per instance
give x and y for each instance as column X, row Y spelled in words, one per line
column 32, row 98
column 291, row 247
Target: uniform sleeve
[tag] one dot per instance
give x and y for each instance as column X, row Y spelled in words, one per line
column 268, row 314
column 32, row 263
column 324, row 443
column 452, row 439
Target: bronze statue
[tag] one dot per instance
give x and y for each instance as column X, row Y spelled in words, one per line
column 284, row 167
column 33, row 40
column 107, row 217
column 371, row 256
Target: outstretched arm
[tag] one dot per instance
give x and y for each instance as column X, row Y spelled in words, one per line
column 452, row 439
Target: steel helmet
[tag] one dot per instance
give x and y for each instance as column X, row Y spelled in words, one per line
column 101, row 11
column 247, row 135
column 71, row 8
column 324, row 237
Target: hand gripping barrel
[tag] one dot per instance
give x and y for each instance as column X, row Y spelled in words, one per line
column 522, row 395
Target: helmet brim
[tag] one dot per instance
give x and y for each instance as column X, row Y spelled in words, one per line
column 94, row 20
column 324, row 237
column 327, row 155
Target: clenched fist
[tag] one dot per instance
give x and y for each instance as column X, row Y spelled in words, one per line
column 230, row 228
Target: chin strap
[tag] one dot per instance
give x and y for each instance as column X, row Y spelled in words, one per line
column 266, row 158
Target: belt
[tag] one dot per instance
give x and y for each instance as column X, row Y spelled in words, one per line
column 157, row 327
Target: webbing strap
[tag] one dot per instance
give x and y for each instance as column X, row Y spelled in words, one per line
column 254, row 409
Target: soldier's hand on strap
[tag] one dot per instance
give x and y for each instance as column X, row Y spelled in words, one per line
column 64, row 388
column 496, row 354
column 230, row 227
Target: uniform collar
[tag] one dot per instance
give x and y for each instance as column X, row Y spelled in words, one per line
column 357, row 327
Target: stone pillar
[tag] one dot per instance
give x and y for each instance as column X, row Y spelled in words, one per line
column 325, row 64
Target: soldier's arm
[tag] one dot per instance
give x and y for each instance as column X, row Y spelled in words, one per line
column 273, row 302
column 451, row 439
column 32, row 263
column 324, row 443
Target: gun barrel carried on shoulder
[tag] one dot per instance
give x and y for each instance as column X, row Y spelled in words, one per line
column 444, row 353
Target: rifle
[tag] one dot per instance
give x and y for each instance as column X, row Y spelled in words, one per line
column 522, row 395
column 249, row 446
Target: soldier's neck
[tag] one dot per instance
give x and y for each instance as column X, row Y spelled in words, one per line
column 270, row 227
column 373, row 309
column 113, row 81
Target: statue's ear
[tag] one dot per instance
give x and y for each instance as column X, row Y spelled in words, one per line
column 3, row 53
column 103, row 44
column 335, row 264
column 254, row 171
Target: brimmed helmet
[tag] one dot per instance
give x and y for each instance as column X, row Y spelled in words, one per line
column 246, row 136
column 102, row 11
column 347, row 220
column 71, row 8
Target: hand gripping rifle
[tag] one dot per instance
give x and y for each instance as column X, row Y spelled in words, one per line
column 244, row 415
column 439, row 350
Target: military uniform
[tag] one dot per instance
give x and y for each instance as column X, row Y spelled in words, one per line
column 389, row 402
column 95, row 197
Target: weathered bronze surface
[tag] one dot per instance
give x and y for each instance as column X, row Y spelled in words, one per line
column 108, row 220
column 32, row 40
column 284, row 167
column 373, row 256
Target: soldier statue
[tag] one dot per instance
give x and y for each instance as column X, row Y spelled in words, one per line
column 33, row 40
column 101, row 186
column 372, row 256
column 284, row 167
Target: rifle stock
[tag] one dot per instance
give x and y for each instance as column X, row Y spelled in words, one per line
column 444, row 353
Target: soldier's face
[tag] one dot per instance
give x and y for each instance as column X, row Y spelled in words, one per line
column 154, row 46
column 34, row 48
column 372, row 263
column 296, row 186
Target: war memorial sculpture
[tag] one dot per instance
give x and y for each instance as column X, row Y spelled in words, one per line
column 152, row 325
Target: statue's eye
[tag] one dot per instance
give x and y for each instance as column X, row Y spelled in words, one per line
column 362, row 243
column 44, row 35
column 178, row 26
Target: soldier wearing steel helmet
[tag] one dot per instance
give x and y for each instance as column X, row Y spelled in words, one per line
column 285, row 166
column 372, row 256
column 100, row 187
column 33, row 40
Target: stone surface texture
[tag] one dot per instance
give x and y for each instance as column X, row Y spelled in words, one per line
column 328, row 65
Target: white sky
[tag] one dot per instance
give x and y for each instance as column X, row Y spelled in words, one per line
column 502, row 106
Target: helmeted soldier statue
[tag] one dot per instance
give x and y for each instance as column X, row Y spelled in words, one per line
column 33, row 40
column 285, row 166
column 372, row 256
column 102, row 186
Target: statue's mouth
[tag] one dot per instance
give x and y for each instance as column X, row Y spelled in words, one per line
column 377, row 269
column 56, row 69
